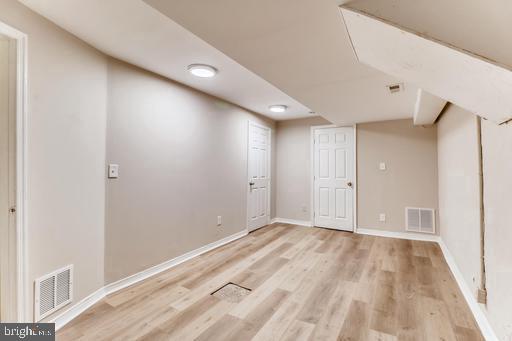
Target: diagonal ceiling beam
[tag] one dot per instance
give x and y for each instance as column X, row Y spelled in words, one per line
column 461, row 77
column 427, row 108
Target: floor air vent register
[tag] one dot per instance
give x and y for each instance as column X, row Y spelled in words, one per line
column 231, row 292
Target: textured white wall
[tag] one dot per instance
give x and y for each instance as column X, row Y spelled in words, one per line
column 497, row 162
column 459, row 191
column 460, row 208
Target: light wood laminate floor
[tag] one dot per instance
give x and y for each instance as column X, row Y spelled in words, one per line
column 307, row 284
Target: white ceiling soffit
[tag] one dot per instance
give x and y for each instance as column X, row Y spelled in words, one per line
column 427, row 108
column 470, row 81
column 482, row 27
column 300, row 47
column 135, row 32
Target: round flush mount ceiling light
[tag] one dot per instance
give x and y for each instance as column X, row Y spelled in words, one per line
column 278, row 108
column 202, row 70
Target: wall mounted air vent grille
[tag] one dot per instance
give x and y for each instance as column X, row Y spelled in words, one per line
column 53, row 291
column 395, row 88
column 420, row 220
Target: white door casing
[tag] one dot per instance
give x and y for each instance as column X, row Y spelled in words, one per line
column 18, row 308
column 7, row 180
column 258, row 192
column 334, row 177
column 4, row 177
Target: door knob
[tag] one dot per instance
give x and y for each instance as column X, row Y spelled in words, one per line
column 251, row 183
column 349, row 184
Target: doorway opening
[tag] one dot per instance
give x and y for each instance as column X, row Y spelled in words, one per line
column 13, row 291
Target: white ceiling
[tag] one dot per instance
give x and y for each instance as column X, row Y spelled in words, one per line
column 279, row 51
column 467, row 80
column 302, row 47
column 428, row 108
column 135, row 32
column 297, row 52
column 482, row 27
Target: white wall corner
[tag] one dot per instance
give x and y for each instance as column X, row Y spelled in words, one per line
column 477, row 309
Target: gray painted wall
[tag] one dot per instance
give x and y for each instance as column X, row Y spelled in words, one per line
column 410, row 178
column 183, row 162
column 294, row 167
column 67, row 102
column 410, row 154
column 160, row 133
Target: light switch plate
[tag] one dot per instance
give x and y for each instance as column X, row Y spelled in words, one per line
column 382, row 217
column 113, row 171
column 219, row 220
column 382, row 166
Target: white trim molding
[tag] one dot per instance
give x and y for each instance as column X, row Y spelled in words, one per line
column 65, row 317
column 130, row 280
column 476, row 308
column 77, row 309
column 399, row 235
column 292, row 221
column 84, row 304
column 22, row 287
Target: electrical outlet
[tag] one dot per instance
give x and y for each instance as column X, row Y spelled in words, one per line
column 382, row 166
column 113, row 171
column 382, row 217
column 219, row 220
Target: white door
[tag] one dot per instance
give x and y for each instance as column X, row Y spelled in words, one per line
column 7, row 180
column 334, row 178
column 258, row 197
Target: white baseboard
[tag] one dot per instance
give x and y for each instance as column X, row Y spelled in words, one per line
column 399, row 235
column 291, row 221
column 476, row 308
column 90, row 300
column 130, row 280
column 72, row 312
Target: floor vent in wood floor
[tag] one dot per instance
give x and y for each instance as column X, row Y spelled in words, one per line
column 231, row 292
